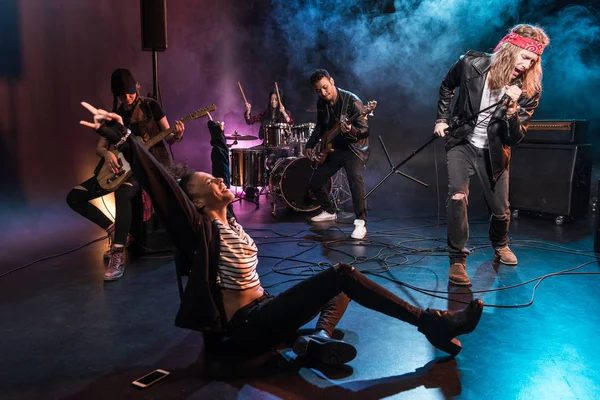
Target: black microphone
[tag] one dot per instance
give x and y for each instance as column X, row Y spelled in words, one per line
column 506, row 98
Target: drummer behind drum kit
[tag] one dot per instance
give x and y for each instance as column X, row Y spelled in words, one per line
column 279, row 165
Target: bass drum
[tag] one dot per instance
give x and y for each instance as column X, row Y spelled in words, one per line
column 288, row 184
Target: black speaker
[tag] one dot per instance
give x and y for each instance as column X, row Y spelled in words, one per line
column 154, row 24
column 553, row 179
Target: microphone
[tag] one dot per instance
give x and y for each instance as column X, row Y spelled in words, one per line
column 506, row 98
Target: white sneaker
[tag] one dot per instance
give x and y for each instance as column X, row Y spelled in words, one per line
column 360, row 230
column 324, row 216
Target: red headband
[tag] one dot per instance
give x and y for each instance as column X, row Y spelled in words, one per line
column 525, row 43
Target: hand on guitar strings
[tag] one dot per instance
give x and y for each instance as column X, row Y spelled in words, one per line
column 344, row 126
column 179, row 128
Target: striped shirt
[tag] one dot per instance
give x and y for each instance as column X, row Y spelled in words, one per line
column 239, row 258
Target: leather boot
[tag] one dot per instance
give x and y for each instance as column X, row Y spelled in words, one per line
column 442, row 327
column 321, row 347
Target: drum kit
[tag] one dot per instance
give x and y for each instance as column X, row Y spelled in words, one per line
column 279, row 167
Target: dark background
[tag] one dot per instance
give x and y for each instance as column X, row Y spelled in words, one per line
column 57, row 54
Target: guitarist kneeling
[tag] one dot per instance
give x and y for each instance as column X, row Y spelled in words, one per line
column 338, row 142
column 146, row 119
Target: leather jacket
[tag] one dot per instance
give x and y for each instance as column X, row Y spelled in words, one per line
column 358, row 137
column 468, row 74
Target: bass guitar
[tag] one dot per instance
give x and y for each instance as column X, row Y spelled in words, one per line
column 324, row 145
column 110, row 181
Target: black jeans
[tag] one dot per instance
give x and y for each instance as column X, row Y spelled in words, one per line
column 464, row 161
column 271, row 320
column 79, row 201
column 353, row 166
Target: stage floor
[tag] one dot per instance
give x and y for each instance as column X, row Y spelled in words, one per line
column 66, row 334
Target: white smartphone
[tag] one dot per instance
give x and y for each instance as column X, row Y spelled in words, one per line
column 151, row 378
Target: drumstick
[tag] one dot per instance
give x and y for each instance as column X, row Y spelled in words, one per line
column 242, row 90
column 278, row 97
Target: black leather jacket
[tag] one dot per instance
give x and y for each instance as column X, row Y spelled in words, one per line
column 469, row 74
column 358, row 137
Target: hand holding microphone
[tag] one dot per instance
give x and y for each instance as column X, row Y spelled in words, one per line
column 512, row 95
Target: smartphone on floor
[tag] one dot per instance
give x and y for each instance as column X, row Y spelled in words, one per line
column 151, row 378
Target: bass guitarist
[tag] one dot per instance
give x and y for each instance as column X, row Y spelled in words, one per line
column 350, row 149
column 146, row 119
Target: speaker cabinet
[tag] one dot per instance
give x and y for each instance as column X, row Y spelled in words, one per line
column 154, row 24
column 553, row 179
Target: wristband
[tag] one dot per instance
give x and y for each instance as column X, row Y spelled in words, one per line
column 123, row 139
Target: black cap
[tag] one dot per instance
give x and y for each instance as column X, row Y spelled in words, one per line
column 122, row 82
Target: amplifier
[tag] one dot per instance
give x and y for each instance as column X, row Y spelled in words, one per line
column 551, row 178
column 557, row 132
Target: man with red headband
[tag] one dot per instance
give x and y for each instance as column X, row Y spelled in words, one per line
column 479, row 141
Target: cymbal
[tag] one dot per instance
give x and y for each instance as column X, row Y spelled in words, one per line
column 240, row 137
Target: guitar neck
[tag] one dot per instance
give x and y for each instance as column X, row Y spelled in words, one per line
column 165, row 133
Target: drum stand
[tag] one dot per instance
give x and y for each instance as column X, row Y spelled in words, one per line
column 341, row 190
column 240, row 197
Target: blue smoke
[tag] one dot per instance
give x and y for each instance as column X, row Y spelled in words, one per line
column 572, row 65
column 401, row 57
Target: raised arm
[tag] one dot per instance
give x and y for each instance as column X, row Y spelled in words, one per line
column 219, row 156
column 182, row 220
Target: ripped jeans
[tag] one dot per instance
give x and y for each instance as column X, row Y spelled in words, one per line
column 464, row 161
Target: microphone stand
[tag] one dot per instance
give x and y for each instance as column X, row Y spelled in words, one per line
column 454, row 124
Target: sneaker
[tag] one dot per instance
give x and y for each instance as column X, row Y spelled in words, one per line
column 111, row 238
column 322, row 348
column 360, row 230
column 116, row 265
column 505, row 256
column 458, row 275
column 324, row 216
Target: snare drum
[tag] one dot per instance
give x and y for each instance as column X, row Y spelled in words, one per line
column 248, row 167
column 276, row 134
column 288, row 184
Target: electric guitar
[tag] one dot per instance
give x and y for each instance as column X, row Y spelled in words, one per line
column 324, row 145
column 111, row 181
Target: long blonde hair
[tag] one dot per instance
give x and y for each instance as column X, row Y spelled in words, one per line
column 504, row 59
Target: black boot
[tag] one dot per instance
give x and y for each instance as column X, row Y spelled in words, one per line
column 321, row 347
column 442, row 327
